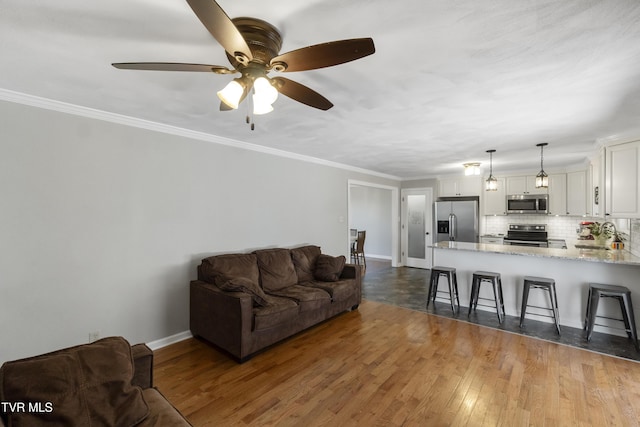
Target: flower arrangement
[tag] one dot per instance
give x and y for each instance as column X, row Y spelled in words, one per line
column 599, row 231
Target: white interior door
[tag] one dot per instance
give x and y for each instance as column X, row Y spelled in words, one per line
column 417, row 224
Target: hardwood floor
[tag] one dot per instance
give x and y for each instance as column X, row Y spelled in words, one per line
column 390, row 366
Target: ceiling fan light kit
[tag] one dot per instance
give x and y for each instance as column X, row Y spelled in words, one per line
column 253, row 50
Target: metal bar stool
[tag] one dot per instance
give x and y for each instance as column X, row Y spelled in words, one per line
column 452, row 279
column 487, row 277
column 623, row 295
column 548, row 285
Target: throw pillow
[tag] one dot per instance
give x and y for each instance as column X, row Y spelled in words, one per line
column 245, row 285
column 328, row 268
column 85, row 385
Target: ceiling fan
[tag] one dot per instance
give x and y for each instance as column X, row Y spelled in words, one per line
column 253, row 49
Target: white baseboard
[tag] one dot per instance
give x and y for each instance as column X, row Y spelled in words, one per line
column 163, row 342
column 385, row 257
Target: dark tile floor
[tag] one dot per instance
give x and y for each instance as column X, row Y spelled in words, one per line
column 407, row 287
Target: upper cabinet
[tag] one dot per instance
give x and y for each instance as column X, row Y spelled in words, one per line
column 558, row 194
column 577, row 190
column 622, row 186
column 460, row 186
column 495, row 202
column 523, row 185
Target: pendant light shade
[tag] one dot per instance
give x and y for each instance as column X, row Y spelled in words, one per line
column 542, row 179
column 491, row 184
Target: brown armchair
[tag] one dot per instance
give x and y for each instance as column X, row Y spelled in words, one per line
column 107, row 382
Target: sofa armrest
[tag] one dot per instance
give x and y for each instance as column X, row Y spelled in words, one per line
column 143, row 366
column 223, row 318
column 351, row 271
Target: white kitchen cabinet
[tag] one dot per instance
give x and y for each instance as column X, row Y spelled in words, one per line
column 495, row 202
column 595, row 196
column 523, row 185
column 558, row 194
column 577, row 189
column 460, row 186
column 622, row 189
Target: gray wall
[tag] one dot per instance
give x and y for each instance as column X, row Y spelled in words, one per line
column 102, row 225
column 371, row 211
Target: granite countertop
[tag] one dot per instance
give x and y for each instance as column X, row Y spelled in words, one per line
column 571, row 253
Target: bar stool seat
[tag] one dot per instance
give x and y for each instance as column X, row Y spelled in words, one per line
column 623, row 295
column 543, row 283
column 450, row 274
column 495, row 279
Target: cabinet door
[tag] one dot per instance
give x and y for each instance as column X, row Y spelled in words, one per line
column 622, row 190
column 558, row 194
column 470, row 186
column 448, row 187
column 516, row 185
column 495, row 202
column 577, row 193
column 461, row 186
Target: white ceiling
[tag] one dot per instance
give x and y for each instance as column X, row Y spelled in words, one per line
column 449, row 80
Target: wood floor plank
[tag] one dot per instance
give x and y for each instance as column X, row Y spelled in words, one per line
column 390, row 366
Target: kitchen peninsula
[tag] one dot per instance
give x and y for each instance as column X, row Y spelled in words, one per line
column 572, row 269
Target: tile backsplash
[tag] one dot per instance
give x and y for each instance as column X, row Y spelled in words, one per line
column 558, row 227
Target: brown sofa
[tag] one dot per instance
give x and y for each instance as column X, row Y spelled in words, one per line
column 243, row 303
column 105, row 383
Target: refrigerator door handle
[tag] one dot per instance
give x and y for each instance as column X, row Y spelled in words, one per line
column 452, row 227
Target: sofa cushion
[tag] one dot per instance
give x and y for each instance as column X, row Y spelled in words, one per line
column 304, row 260
column 276, row 269
column 328, row 268
column 308, row 298
column 243, row 284
column 279, row 310
column 85, row 385
column 219, row 269
column 339, row 291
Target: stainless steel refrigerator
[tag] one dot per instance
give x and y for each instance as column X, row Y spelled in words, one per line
column 456, row 219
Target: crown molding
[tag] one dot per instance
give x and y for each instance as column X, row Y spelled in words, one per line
column 64, row 107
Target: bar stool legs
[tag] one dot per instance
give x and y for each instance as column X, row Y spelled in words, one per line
column 450, row 274
column 496, row 281
column 548, row 285
column 623, row 295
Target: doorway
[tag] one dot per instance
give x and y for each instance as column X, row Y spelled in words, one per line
column 417, row 227
column 385, row 199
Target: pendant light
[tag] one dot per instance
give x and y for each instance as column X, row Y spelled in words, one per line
column 491, row 184
column 542, row 179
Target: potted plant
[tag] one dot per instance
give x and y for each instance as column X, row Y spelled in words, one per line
column 601, row 233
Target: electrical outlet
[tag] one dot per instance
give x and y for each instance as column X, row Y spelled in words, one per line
column 94, row 336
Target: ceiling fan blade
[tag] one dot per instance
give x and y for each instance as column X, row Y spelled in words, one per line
column 325, row 54
column 172, row 66
column 302, row 93
column 221, row 28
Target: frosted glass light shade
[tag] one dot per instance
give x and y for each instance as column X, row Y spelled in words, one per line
column 232, row 94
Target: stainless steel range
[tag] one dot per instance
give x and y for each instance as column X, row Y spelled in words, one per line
column 527, row 235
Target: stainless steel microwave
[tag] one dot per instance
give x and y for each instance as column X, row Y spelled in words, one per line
column 528, row 204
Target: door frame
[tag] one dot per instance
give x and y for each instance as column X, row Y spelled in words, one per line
column 395, row 215
column 428, row 193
